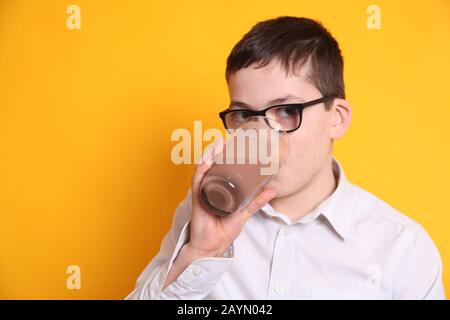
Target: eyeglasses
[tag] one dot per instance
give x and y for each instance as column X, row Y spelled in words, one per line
column 288, row 116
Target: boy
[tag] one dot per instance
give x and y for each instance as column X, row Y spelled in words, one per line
column 311, row 234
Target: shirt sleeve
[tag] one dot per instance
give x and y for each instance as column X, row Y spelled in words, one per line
column 419, row 272
column 196, row 281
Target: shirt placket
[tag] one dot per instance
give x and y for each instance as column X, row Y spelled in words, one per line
column 282, row 263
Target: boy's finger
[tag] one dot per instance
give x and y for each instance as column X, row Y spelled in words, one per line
column 257, row 203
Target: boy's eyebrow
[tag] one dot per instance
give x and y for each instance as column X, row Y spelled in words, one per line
column 276, row 101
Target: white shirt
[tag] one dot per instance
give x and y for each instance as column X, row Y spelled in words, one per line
column 351, row 246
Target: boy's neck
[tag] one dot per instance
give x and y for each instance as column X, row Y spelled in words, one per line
column 299, row 204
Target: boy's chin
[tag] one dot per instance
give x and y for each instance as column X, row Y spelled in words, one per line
column 277, row 186
column 282, row 189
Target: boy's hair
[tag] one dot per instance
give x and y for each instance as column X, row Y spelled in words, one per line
column 294, row 42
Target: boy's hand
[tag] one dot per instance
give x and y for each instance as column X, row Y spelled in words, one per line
column 210, row 234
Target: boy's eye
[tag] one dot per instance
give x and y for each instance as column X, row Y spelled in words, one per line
column 241, row 115
column 285, row 112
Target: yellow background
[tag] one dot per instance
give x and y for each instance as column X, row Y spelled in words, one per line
column 86, row 117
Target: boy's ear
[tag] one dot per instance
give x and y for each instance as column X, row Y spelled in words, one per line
column 341, row 117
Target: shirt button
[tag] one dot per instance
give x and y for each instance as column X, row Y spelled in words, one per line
column 278, row 289
column 197, row 271
column 287, row 231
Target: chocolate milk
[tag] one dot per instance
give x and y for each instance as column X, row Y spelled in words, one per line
column 236, row 177
column 230, row 186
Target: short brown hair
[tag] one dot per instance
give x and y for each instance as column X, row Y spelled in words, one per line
column 293, row 41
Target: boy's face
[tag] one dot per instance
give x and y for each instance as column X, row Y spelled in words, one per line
column 310, row 145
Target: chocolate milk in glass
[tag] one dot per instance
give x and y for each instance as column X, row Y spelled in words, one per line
column 252, row 155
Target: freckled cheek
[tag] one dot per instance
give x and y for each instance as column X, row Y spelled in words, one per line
column 298, row 157
column 306, row 146
column 302, row 143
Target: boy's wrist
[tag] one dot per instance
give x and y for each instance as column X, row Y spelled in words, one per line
column 196, row 253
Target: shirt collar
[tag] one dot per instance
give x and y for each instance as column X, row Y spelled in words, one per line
column 337, row 208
